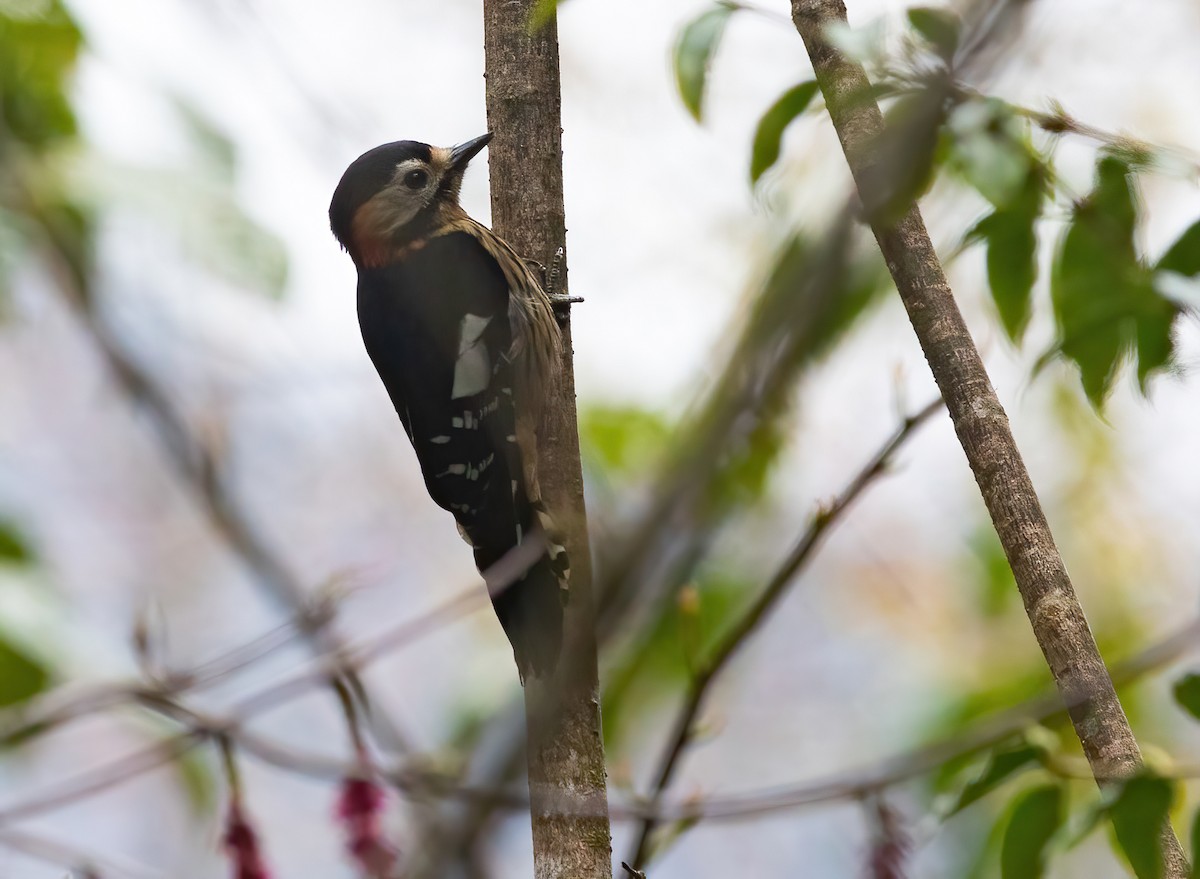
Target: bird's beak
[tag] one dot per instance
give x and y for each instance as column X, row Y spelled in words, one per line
column 464, row 152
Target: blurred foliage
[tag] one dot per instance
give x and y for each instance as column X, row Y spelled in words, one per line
column 14, row 547
column 939, row 27
column 1104, row 297
column 907, row 150
column 1138, row 813
column 661, row 665
column 998, row 593
column 694, row 52
column 989, row 146
column 768, row 137
column 196, row 770
column 1195, row 841
column 1035, row 818
column 54, row 193
column 1002, row 764
column 1187, row 693
column 54, row 190
column 1010, row 235
column 21, row 675
column 1110, row 306
column 39, row 44
column 623, row 441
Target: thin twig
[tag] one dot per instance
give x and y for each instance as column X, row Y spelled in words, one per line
column 60, row 854
column 510, row 567
column 683, row 728
column 56, row 709
column 421, row 782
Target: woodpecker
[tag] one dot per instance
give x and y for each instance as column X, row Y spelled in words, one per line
column 465, row 340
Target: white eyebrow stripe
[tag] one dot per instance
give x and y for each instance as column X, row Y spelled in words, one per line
column 409, row 165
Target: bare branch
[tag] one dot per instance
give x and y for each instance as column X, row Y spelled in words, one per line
column 683, row 728
column 60, row 854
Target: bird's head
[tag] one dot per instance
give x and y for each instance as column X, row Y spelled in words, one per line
column 396, row 194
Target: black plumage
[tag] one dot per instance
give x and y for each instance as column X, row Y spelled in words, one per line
column 454, row 342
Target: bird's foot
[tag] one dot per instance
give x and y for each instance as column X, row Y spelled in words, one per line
column 551, row 276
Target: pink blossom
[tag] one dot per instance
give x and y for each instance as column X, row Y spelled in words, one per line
column 360, row 808
column 242, row 844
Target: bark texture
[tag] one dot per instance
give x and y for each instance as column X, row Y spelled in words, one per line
column 567, row 779
column 979, row 420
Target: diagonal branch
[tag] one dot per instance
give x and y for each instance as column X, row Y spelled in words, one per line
column 1054, row 612
column 199, row 470
column 683, row 730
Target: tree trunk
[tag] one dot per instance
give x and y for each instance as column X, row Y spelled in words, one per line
column 568, row 800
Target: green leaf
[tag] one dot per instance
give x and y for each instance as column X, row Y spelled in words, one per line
column 939, row 27
column 1187, row 693
column 1003, row 763
column 1035, row 818
column 768, row 137
column 997, row 587
column 197, row 776
column 990, row 148
column 694, row 52
column 200, row 207
column 1104, row 297
column 1155, row 344
column 216, row 148
column 1183, row 257
column 1138, row 814
column 38, row 50
column 623, row 441
column 14, row 548
column 744, row 478
column 1011, row 237
column 21, row 676
column 906, row 153
column 543, row 12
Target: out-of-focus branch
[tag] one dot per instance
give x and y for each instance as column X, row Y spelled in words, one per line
column 83, row 864
column 683, row 728
column 1054, row 612
column 56, row 709
column 419, row 782
column 200, row 472
column 334, row 667
column 1058, row 121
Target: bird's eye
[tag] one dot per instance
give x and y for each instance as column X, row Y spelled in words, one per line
column 416, row 179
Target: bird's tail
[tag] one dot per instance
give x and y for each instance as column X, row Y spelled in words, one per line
column 530, row 610
column 527, row 582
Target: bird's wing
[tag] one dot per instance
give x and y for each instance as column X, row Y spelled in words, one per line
column 536, row 343
column 436, row 328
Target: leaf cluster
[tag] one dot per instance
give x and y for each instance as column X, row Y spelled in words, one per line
column 1110, row 304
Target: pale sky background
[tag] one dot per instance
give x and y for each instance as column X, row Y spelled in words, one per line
column 665, row 239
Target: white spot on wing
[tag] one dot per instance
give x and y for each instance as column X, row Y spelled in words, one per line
column 473, row 369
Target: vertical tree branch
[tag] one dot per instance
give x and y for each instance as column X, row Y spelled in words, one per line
column 981, row 424
column 568, row 801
